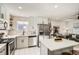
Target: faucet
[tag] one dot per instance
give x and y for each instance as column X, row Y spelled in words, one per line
column 23, row 32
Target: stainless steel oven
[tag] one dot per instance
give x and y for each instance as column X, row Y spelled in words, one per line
column 11, row 48
column 10, row 45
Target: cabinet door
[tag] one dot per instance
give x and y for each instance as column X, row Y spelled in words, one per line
column 2, row 12
column 43, row 49
column 3, row 51
column 22, row 42
column 25, row 42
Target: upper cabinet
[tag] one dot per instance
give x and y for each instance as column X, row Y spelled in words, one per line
column 76, row 26
column 42, row 20
column 72, row 25
column 2, row 12
column 3, row 18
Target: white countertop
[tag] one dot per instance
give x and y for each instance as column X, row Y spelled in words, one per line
column 53, row 45
column 1, row 45
column 14, row 36
column 10, row 36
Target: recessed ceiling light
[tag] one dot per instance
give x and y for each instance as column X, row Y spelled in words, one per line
column 56, row 6
column 19, row 7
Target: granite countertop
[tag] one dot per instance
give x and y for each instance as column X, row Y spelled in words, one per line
column 55, row 45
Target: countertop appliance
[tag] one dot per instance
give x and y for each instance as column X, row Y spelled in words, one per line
column 10, row 47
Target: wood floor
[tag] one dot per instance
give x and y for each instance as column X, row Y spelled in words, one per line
column 28, row 51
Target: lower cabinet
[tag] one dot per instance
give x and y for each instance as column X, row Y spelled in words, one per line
column 43, row 49
column 3, row 50
column 22, row 41
column 61, row 51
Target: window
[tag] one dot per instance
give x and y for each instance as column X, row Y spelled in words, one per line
column 22, row 25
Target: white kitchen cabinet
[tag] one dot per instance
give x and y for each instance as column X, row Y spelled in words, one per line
column 43, row 49
column 76, row 27
column 22, row 41
column 59, row 52
column 41, row 20
column 2, row 12
column 4, row 16
column 3, row 50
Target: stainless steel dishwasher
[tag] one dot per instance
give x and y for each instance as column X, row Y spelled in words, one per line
column 32, row 41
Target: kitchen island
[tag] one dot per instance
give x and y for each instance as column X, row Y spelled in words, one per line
column 52, row 47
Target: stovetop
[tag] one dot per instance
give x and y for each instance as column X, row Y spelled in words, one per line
column 6, row 40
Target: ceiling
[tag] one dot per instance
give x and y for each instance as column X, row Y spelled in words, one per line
column 63, row 10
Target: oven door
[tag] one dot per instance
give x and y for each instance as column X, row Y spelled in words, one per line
column 11, row 48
